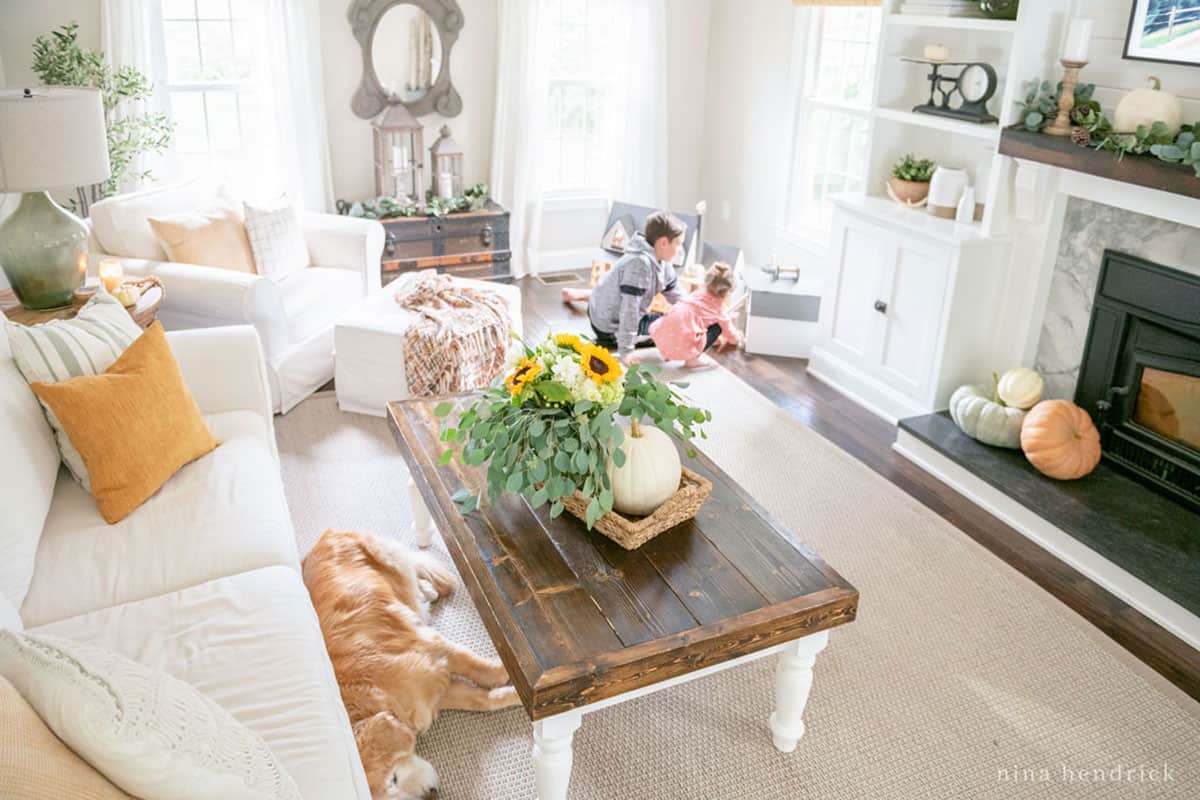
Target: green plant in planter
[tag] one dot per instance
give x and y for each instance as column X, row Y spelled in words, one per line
column 1040, row 105
column 548, row 429
column 912, row 169
column 1184, row 150
column 58, row 60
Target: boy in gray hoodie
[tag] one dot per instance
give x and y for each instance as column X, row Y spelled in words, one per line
column 619, row 306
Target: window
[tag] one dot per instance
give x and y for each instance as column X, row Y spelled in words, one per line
column 833, row 114
column 576, row 155
column 210, row 63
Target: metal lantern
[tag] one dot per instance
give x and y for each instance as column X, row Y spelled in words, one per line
column 399, row 145
column 446, row 163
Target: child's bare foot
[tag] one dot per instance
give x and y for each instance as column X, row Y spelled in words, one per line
column 575, row 295
column 699, row 362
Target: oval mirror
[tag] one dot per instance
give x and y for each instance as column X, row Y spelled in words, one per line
column 406, row 52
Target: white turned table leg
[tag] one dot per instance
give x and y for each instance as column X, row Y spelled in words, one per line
column 422, row 524
column 793, row 680
column 552, row 754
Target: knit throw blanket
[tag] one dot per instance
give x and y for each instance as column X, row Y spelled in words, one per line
column 459, row 339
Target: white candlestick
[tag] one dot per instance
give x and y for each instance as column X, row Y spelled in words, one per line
column 397, row 157
column 1079, row 37
column 446, row 186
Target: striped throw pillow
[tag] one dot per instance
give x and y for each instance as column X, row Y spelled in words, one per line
column 88, row 344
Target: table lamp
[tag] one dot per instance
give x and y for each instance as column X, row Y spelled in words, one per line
column 50, row 138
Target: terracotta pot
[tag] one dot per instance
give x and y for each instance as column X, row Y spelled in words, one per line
column 911, row 192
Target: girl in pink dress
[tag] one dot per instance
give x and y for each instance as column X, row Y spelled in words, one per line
column 697, row 321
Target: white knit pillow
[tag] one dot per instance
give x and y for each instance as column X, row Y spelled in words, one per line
column 152, row 735
column 276, row 240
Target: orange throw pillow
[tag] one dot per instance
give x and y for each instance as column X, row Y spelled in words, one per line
column 135, row 425
column 212, row 238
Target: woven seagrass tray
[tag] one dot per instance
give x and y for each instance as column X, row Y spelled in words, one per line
column 633, row 532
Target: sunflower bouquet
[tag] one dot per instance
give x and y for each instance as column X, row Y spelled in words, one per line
column 549, row 428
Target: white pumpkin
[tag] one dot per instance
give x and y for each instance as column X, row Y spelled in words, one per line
column 650, row 474
column 1147, row 106
column 980, row 415
column 1021, row 388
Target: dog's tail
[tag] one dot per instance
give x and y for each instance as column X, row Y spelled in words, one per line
column 442, row 577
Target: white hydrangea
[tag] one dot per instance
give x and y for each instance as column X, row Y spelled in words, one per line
column 566, row 370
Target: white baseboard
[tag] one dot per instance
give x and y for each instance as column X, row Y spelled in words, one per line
column 867, row 392
column 1140, row 595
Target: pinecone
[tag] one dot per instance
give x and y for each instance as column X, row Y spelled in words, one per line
column 1081, row 136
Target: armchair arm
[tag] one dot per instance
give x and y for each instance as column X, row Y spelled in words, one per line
column 201, row 297
column 345, row 242
column 224, row 370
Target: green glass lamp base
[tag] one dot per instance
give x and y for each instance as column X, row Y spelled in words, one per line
column 43, row 251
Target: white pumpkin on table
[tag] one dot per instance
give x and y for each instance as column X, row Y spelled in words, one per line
column 650, row 473
column 1147, row 106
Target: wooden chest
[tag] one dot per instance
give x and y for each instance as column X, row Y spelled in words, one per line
column 473, row 244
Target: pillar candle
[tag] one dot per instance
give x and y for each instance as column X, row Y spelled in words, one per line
column 1079, row 36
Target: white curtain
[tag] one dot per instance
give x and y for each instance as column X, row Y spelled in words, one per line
column 521, row 91
column 295, row 156
column 132, row 36
column 635, row 111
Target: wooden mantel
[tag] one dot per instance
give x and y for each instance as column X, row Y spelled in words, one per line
column 1060, row 151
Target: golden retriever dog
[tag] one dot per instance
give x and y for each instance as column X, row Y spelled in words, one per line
column 394, row 670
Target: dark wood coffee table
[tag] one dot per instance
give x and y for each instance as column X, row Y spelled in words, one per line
column 581, row 623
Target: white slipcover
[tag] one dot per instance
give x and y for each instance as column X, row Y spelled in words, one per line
column 251, row 643
column 293, row 317
column 369, row 343
column 9, row 618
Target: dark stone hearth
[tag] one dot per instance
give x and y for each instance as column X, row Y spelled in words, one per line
column 1136, row 528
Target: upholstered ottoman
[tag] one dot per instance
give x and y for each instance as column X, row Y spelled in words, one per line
column 368, row 343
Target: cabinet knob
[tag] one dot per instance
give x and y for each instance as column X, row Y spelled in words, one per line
column 881, row 306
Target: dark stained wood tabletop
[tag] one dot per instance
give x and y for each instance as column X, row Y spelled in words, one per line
column 577, row 619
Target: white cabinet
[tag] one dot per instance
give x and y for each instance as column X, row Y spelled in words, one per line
column 910, row 311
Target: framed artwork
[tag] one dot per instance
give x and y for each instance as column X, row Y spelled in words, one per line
column 1164, row 30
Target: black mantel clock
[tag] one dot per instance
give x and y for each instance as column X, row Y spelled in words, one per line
column 963, row 96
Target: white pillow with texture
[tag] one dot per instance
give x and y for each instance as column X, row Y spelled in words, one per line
column 276, row 240
column 152, row 735
column 61, row 349
column 10, row 620
column 28, row 472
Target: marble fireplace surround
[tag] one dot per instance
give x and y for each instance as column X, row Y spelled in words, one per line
column 1089, row 228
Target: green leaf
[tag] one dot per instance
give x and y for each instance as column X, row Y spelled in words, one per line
column 460, row 496
column 556, row 508
column 514, row 483
column 443, row 408
column 618, row 457
column 446, row 456
column 570, row 445
column 537, row 428
column 583, row 406
column 562, row 461
column 581, row 461
column 606, row 499
column 450, row 435
column 470, row 504
column 539, row 498
column 538, row 471
column 594, row 512
column 476, row 458
column 553, row 391
column 691, row 452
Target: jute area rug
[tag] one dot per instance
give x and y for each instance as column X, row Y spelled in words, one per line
column 960, row 679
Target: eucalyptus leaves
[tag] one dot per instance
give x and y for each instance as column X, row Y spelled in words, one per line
column 472, row 199
column 548, row 429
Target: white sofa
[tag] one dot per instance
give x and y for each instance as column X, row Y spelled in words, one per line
column 294, row 316
column 201, row 581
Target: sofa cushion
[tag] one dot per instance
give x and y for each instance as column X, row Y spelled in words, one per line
column 121, row 222
column 27, row 476
column 211, row 237
column 222, row 514
column 62, row 349
column 147, row 731
column 35, row 764
column 314, row 298
column 251, row 643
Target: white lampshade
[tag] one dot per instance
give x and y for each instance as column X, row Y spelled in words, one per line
column 51, row 138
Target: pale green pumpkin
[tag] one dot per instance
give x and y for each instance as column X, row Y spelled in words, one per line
column 982, row 415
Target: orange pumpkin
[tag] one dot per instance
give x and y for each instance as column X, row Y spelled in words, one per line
column 1058, row 438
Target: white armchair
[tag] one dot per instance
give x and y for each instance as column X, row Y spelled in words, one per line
column 293, row 316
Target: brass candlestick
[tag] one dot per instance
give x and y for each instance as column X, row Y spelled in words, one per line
column 1066, row 99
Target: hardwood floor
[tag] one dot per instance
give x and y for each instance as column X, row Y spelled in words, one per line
column 869, row 439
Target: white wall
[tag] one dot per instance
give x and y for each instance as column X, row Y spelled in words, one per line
column 22, row 21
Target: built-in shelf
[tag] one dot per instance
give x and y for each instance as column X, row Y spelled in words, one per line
column 1060, row 151
column 956, row 23
column 915, row 220
column 984, row 132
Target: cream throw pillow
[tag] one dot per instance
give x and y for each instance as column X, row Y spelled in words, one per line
column 213, row 238
column 58, row 350
column 152, row 735
column 276, row 240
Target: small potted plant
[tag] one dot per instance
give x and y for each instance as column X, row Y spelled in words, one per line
column 909, row 183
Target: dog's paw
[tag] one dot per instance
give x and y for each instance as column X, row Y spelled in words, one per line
column 413, row 779
column 503, row 697
column 428, row 591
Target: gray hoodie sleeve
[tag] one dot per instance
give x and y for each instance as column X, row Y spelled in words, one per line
column 636, row 280
column 671, row 284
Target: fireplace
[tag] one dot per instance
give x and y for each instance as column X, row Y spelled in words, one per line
column 1140, row 376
